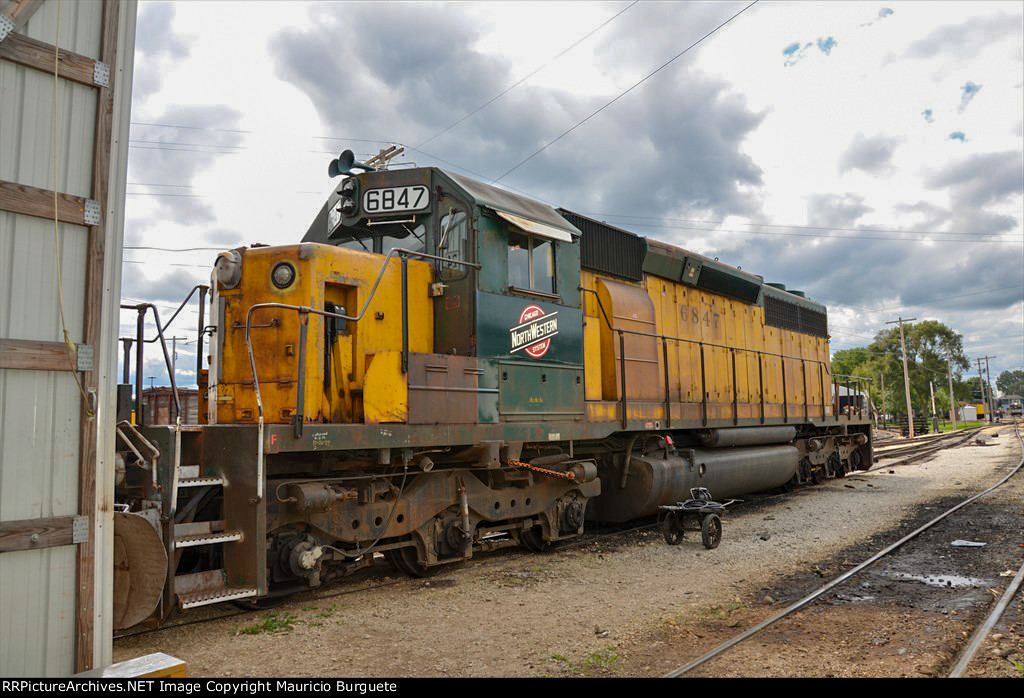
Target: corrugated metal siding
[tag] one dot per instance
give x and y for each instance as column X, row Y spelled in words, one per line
column 39, row 410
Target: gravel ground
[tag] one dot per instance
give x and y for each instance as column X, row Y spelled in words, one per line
column 596, row 609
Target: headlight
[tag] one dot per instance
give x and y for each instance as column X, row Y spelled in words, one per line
column 283, row 275
column 228, row 268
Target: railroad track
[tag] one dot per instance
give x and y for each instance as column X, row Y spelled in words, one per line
column 916, row 452
column 320, row 595
column 920, row 451
column 979, row 635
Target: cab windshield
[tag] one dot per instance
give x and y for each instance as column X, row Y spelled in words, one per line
column 383, row 241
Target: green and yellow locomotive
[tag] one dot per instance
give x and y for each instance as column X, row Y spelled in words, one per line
column 442, row 367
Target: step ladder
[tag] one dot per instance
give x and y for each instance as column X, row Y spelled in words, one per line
column 210, row 586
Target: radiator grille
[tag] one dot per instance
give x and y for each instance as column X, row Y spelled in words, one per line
column 790, row 316
column 607, row 249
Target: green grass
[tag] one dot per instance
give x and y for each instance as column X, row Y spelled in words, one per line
column 948, row 426
column 601, row 660
column 722, row 612
column 271, row 624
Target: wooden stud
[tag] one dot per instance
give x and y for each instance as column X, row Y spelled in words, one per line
column 33, row 534
column 20, row 11
column 31, row 355
column 32, row 201
column 38, row 55
column 93, row 314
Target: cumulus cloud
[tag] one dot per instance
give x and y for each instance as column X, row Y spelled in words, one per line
column 836, row 210
column 965, row 40
column 179, row 154
column 981, row 179
column 677, row 143
column 156, row 43
column 871, row 154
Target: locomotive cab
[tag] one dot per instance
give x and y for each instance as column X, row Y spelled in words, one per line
column 506, row 342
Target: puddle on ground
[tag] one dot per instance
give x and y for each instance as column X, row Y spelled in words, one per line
column 854, row 598
column 951, row 581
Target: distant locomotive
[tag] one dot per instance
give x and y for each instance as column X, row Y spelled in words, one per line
column 442, row 367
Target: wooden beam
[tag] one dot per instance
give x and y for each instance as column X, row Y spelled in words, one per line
column 32, row 201
column 30, row 355
column 20, row 11
column 34, row 534
column 38, row 55
column 96, row 251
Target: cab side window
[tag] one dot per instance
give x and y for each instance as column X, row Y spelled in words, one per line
column 531, row 263
column 453, row 244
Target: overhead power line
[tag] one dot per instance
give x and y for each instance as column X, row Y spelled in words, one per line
column 462, row 168
column 818, row 235
column 619, row 96
column 922, row 303
column 519, row 82
column 863, row 229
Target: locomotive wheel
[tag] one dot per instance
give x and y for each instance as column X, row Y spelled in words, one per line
column 672, row 528
column 711, row 531
column 406, row 560
column 806, row 474
column 838, row 466
column 856, row 460
column 533, row 539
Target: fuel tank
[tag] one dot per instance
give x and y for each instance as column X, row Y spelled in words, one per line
column 651, row 482
column 747, row 436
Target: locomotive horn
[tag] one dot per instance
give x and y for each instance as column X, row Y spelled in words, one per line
column 344, row 163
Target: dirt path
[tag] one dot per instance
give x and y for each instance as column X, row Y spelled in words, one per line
column 623, row 605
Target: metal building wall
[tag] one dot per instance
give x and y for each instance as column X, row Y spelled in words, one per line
column 41, row 423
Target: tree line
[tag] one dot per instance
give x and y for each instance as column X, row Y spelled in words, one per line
column 932, row 349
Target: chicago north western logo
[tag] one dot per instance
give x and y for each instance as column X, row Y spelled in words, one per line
column 534, row 331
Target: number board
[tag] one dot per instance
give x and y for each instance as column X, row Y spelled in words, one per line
column 395, row 199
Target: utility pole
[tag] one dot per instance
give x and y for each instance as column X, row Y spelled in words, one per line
column 935, row 414
column 952, row 401
column 174, row 369
column 906, row 373
column 985, row 396
column 881, row 392
column 991, row 397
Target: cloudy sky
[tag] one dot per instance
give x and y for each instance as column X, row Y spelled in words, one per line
column 869, row 153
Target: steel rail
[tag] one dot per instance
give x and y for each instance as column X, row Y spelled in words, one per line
column 319, row 595
column 729, row 644
column 923, row 451
column 982, row 631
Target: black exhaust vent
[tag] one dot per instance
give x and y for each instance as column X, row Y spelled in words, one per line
column 728, row 284
column 607, row 249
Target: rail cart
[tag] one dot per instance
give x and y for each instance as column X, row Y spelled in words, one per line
column 699, row 513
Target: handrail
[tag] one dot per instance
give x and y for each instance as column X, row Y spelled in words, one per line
column 306, row 310
column 176, row 312
column 139, row 344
